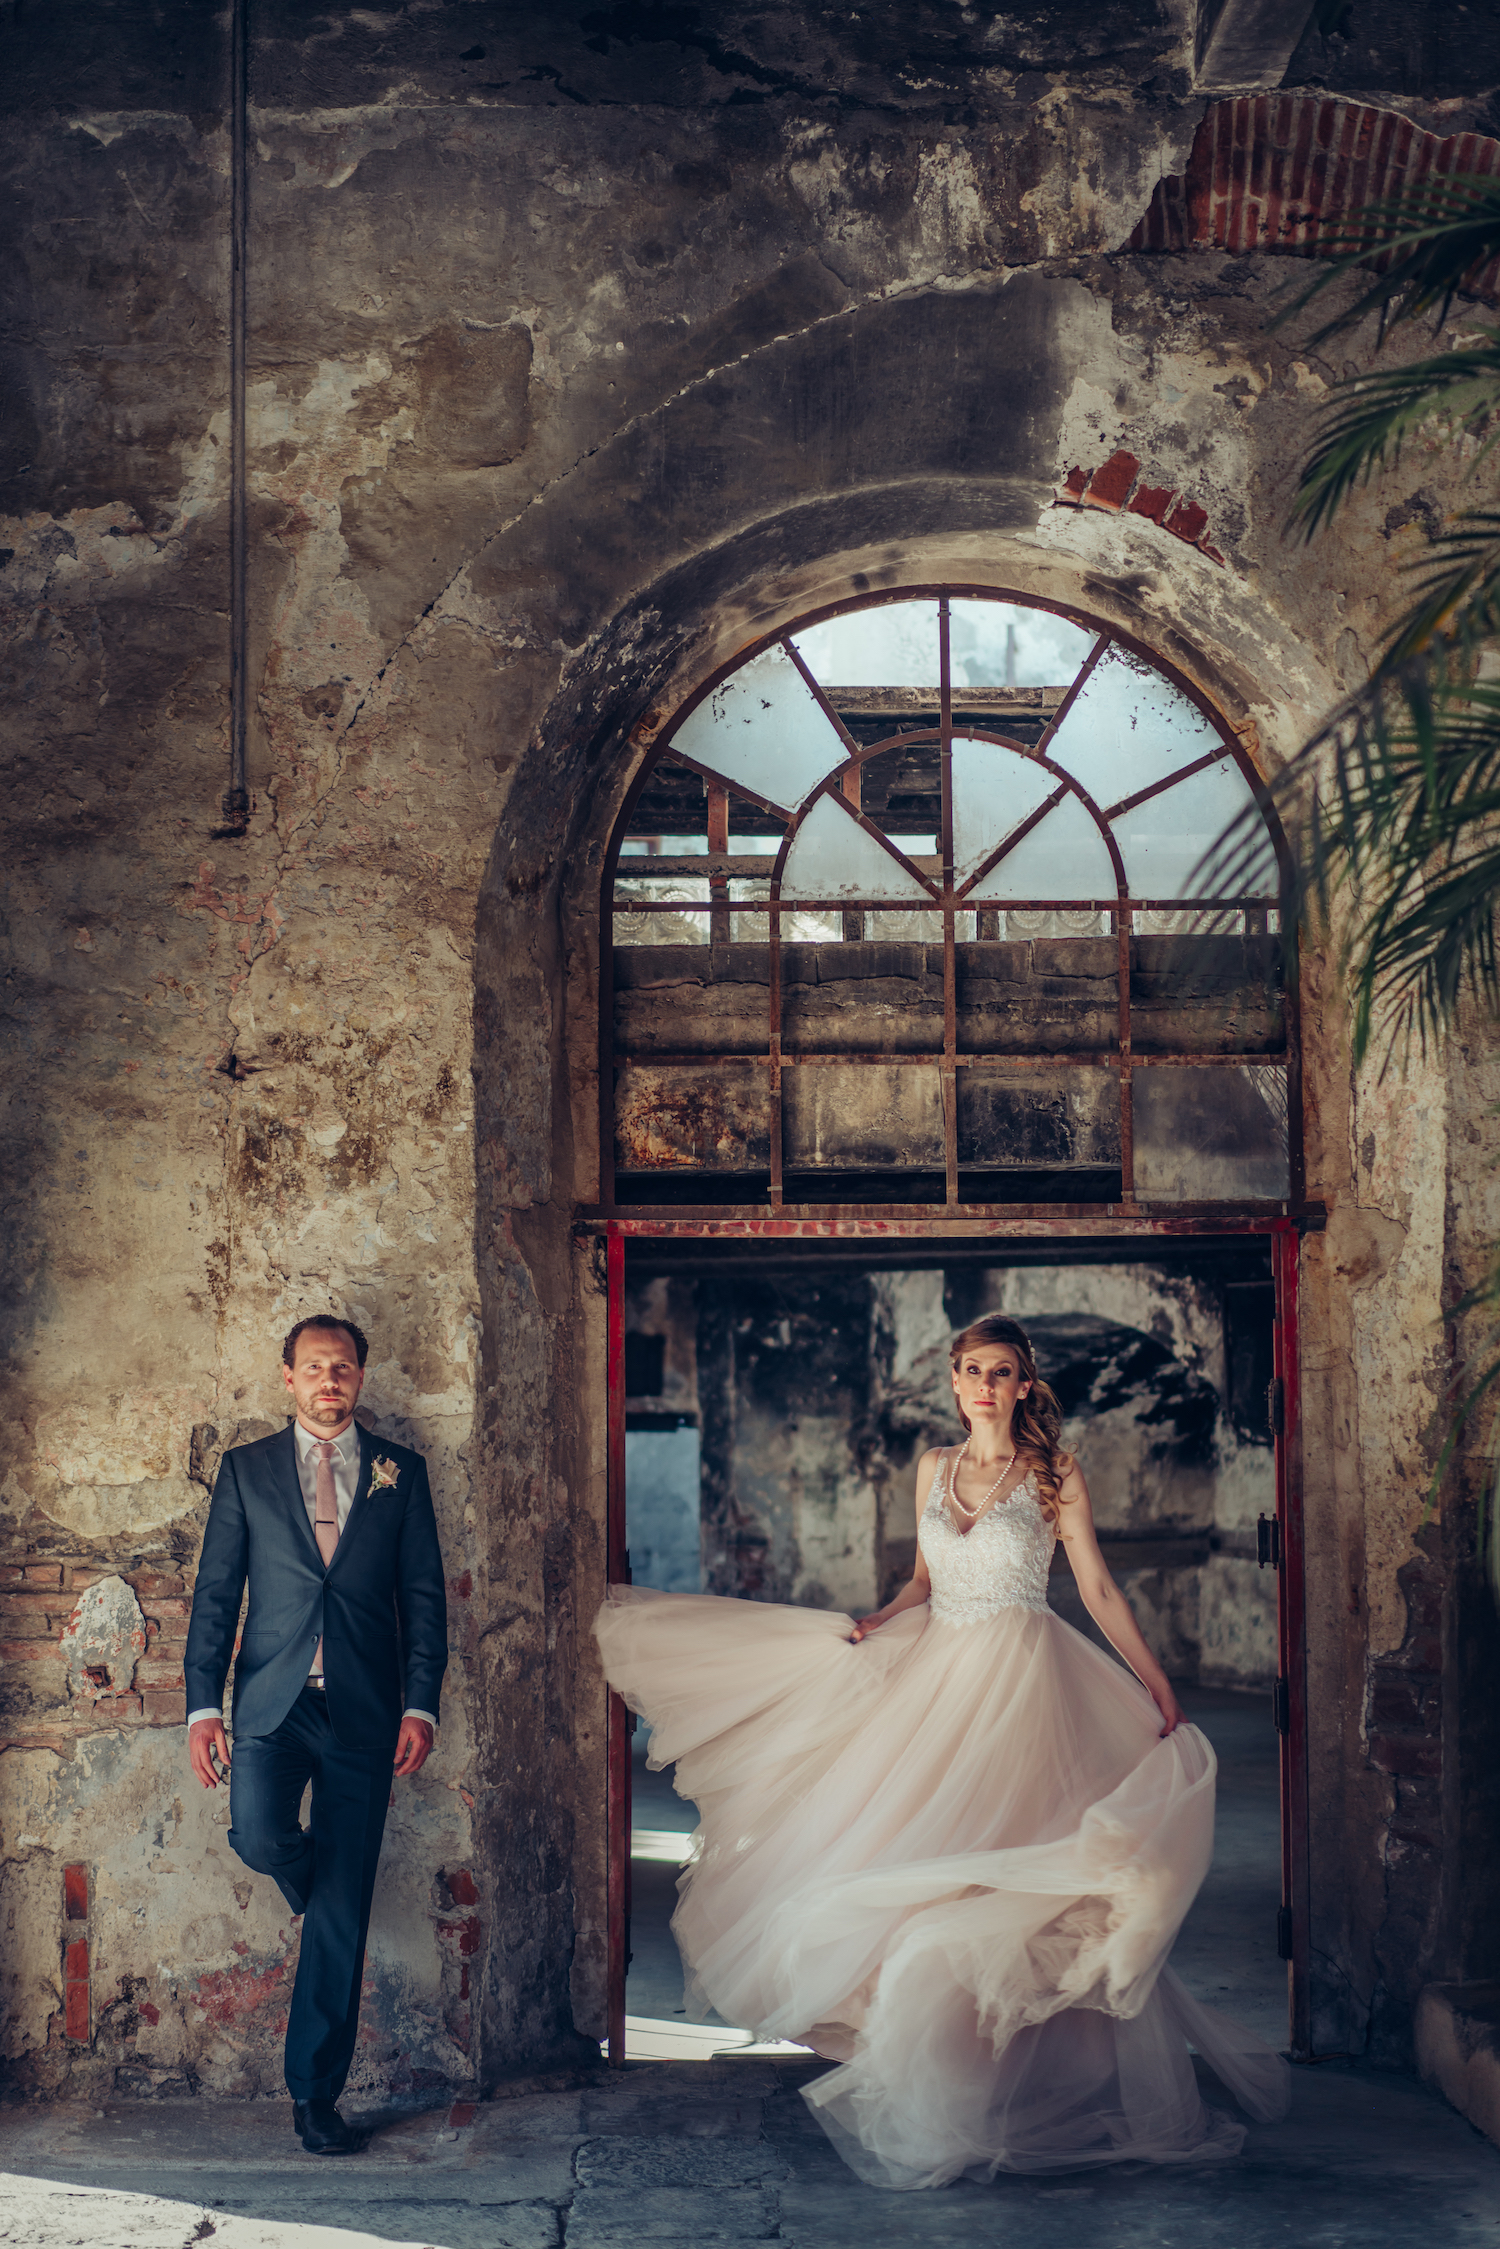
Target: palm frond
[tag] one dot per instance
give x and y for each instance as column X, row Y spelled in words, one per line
column 1430, row 243
column 1374, row 415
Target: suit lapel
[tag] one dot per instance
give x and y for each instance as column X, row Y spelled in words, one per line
column 361, row 1494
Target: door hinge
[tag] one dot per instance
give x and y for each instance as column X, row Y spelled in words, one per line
column 1281, row 1707
column 1284, row 1932
column 1267, row 1542
column 1276, row 1405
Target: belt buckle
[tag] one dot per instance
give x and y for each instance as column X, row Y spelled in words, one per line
column 316, row 1679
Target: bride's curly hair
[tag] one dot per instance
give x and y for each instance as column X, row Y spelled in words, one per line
column 1036, row 1424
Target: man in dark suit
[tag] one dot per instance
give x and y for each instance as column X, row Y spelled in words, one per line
column 336, row 1680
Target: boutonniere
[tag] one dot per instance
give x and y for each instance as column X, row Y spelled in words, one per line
column 383, row 1475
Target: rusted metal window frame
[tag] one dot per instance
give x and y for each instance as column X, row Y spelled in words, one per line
column 948, row 899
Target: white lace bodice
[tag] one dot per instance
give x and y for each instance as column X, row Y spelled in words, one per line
column 1002, row 1563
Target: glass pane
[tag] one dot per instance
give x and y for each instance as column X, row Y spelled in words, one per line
column 895, row 645
column 1062, row 1124
column 713, row 1116
column 862, row 1118
column 665, row 927
column 1128, row 728
column 832, row 856
column 765, row 729
column 1164, row 840
column 1063, row 857
column 998, row 644
column 1205, row 1136
column 993, row 792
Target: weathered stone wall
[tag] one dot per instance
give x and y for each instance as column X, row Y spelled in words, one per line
column 582, row 346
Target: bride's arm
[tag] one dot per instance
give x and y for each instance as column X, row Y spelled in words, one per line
column 1103, row 1599
column 913, row 1594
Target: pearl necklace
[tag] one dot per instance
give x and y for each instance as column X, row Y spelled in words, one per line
column 974, row 1513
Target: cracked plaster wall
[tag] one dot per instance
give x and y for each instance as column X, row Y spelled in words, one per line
column 580, row 350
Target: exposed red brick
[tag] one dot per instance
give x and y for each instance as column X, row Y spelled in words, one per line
column 29, row 1615
column 162, row 1671
column 1290, row 173
column 163, row 1706
column 462, row 2113
column 30, row 1651
column 12, row 1573
column 1151, row 500
column 76, row 2012
column 75, row 1893
column 227, row 1995
column 44, row 1573
column 1187, row 520
column 1076, row 482
column 150, row 1585
column 1212, row 553
column 1109, row 487
column 76, row 1960
column 148, row 2013
column 462, row 1887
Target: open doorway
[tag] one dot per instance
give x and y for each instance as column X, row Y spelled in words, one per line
column 774, row 1399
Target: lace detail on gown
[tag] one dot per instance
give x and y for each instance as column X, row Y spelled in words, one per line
column 1002, row 1563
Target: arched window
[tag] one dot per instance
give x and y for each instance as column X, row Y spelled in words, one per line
column 901, row 911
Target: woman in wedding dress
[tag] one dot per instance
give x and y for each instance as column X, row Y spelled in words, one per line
column 949, row 1847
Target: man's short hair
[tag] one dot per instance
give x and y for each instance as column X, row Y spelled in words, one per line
column 355, row 1334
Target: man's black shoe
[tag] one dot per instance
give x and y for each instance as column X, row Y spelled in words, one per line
column 322, row 2130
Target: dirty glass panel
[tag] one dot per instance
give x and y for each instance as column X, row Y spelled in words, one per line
column 832, row 856
column 1063, row 857
column 1000, row 644
column 895, row 645
column 674, row 999
column 764, row 728
column 713, row 1116
column 862, row 1117
column 661, row 927
column 1164, row 841
column 1038, row 1135
column 917, row 928
column 993, row 791
column 1208, row 1136
column 1128, row 728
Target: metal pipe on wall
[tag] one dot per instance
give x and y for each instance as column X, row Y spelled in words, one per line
column 236, row 803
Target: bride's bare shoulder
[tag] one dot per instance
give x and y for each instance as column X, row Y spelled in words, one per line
column 927, row 1469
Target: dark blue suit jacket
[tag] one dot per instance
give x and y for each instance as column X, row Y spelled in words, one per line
column 380, row 1605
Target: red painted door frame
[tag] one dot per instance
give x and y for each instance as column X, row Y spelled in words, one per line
column 1291, row 1690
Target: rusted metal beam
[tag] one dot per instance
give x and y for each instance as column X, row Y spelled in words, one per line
column 901, row 1221
column 992, row 1057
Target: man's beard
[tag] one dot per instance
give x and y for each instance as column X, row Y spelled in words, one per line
column 323, row 1409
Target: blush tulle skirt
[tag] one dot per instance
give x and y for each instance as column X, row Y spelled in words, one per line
column 952, row 1859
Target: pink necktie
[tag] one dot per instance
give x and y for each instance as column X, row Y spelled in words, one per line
column 326, row 1522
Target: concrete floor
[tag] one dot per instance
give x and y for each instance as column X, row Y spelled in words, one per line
column 724, row 2151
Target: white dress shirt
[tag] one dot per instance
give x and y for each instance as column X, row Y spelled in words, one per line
column 345, row 1481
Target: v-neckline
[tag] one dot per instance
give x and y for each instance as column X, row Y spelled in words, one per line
column 949, row 1479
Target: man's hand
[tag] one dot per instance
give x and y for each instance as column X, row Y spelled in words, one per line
column 206, row 1741
column 413, row 1746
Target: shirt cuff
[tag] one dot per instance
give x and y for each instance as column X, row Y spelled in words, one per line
column 210, row 1712
column 427, row 1714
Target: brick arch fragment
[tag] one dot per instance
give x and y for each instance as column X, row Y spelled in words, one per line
column 1290, row 173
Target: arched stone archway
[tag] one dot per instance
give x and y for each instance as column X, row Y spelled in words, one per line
column 817, row 497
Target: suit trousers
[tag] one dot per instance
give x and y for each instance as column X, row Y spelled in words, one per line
column 326, row 1872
